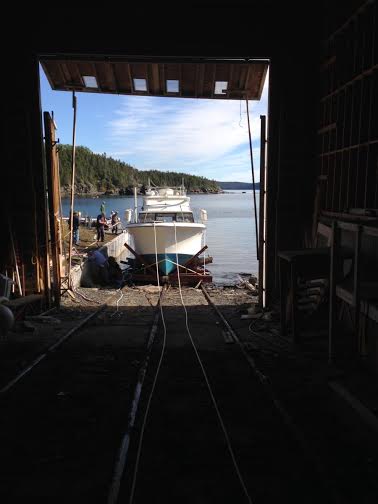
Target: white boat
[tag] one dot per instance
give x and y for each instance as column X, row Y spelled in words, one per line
column 165, row 226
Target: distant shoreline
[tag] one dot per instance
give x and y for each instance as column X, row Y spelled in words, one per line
column 65, row 194
column 243, row 186
column 101, row 196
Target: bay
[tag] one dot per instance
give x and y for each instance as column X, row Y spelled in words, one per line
column 230, row 233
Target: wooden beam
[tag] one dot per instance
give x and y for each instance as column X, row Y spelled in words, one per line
column 196, row 82
column 74, row 103
column 180, row 79
column 189, row 261
column 140, row 258
column 52, row 189
column 246, row 87
column 114, row 77
column 164, row 88
column 213, row 80
column 130, row 78
column 262, row 210
column 94, row 69
column 147, row 79
column 230, row 76
column 155, row 77
column 199, row 83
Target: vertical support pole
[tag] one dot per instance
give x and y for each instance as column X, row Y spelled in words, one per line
column 332, row 291
column 19, row 286
column 37, row 164
column 72, row 187
column 53, row 201
column 135, row 205
column 61, row 241
column 294, row 307
column 356, row 285
column 282, row 273
column 253, row 180
column 262, row 210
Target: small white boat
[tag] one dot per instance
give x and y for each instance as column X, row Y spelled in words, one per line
column 165, row 226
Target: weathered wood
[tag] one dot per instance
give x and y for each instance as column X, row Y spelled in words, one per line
column 245, row 79
column 262, row 210
column 140, row 258
column 24, row 301
column 72, row 188
column 54, row 201
column 192, row 259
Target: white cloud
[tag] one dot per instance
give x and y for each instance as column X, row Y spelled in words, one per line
column 207, row 137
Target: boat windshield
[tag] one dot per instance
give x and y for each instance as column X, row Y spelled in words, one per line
column 166, row 217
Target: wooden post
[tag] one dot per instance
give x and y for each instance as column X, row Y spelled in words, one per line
column 61, row 241
column 140, row 258
column 253, row 180
column 332, row 291
column 53, row 200
column 356, row 285
column 39, row 188
column 189, row 261
column 135, row 205
column 262, row 210
column 72, row 187
column 19, row 286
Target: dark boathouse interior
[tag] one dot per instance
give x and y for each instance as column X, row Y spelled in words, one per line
column 318, row 220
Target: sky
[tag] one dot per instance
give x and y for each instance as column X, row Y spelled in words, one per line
column 198, row 137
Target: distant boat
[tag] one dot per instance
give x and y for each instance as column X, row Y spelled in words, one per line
column 166, row 216
column 243, row 192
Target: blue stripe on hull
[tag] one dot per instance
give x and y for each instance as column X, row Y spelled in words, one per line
column 167, row 262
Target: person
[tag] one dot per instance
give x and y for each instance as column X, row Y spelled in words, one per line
column 115, row 273
column 115, row 220
column 102, row 207
column 100, row 224
column 100, row 265
column 75, row 226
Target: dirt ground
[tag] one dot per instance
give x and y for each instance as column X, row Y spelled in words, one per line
column 294, row 438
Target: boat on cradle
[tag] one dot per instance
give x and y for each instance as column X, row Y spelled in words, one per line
column 164, row 226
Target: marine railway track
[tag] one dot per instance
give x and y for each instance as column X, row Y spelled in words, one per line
column 154, row 403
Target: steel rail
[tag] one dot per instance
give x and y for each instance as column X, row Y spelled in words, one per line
column 53, row 347
column 295, row 432
column 120, row 462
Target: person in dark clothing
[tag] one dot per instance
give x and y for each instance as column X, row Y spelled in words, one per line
column 115, row 221
column 99, row 267
column 115, row 273
column 75, row 225
column 100, row 224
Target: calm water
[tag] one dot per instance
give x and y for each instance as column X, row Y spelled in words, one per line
column 230, row 233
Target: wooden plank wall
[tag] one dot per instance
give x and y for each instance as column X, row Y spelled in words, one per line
column 348, row 122
column 23, row 192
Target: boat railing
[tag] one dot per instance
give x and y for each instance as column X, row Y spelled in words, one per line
column 163, row 190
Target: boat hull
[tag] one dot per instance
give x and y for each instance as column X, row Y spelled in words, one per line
column 189, row 242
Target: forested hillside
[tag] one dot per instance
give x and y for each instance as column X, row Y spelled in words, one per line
column 98, row 173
